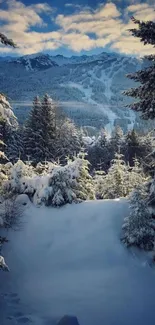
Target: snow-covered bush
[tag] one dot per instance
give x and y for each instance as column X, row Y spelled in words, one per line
column 18, row 178
column 65, row 184
column 120, row 179
column 138, row 229
column 113, row 184
column 11, row 212
column 99, row 183
column 55, row 185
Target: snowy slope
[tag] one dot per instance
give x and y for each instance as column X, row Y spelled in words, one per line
column 71, row 261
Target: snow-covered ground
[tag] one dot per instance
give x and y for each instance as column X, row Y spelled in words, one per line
column 71, row 261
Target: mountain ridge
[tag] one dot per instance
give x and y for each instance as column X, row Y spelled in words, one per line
column 89, row 88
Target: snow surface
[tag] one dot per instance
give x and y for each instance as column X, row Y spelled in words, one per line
column 71, row 261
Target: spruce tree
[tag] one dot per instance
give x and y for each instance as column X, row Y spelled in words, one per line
column 115, row 182
column 145, row 93
column 68, row 141
column 9, row 128
column 132, row 146
column 33, row 141
column 48, row 127
column 136, row 176
column 116, row 141
column 99, row 154
column 137, row 228
column 3, row 158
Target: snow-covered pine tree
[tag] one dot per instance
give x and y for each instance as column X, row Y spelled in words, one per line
column 48, row 126
column 115, row 182
column 4, row 40
column 68, row 141
column 136, row 176
column 99, row 184
column 9, row 128
column 145, row 93
column 15, row 147
column 3, row 158
column 99, row 154
column 116, row 143
column 132, row 146
column 137, row 228
column 85, row 188
column 33, row 140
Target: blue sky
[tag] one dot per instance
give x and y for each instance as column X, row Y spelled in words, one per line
column 73, row 27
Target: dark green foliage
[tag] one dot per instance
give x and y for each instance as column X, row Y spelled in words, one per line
column 6, row 41
column 144, row 94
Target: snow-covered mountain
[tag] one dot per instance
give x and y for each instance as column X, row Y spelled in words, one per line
column 89, row 88
column 35, row 62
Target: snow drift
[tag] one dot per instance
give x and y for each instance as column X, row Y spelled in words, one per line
column 71, row 261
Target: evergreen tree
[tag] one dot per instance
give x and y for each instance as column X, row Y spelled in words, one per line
column 40, row 131
column 132, row 147
column 99, row 154
column 137, row 228
column 48, row 126
column 84, row 189
column 136, row 176
column 9, row 128
column 145, row 92
column 116, row 141
column 68, row 141
column 3, row 158
column 115, row 182
column 33, row 140
column 15, row 145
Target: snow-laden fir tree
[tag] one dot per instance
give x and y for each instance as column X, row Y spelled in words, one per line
column 48, row 124
column 115, row 182
column 132, row 146
column 136, row 176
column 120, row 179
column 116, row 141
column 55, row 185
column 40, row 130
column 8, row 128
column 33, row 140
column 85, row 187
column 99, row 154
column 137, row 228
column 145, row 93
column 3, row 158
column 68, row 140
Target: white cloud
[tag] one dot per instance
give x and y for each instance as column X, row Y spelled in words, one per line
column 142, row 11
column 108, row 23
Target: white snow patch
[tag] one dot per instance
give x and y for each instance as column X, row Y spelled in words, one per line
column 71, row 261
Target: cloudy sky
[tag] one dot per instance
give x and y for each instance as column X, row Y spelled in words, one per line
column 76, row 27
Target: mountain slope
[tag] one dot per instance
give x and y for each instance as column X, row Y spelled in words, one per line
column 35, row 62
column 89, row 88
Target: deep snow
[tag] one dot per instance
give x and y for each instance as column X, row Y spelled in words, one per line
column 71, row 261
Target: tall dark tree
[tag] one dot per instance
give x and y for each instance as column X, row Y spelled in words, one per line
column 3, row 158
column 133, row 147
column 49, row 124
column 116, row 141
column 99, row 154
column 145, row 93
column 33, row 141
column 40, row 130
